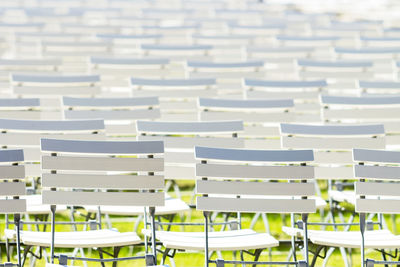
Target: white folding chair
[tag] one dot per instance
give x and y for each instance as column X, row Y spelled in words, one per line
column 88, row 173
column 10, row 191
column 220, row 194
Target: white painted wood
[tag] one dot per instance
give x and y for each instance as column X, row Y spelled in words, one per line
column 25, row 78
column 102, row 147
column 333, row 143
column 93, row 181
column 12, row 172
column 334, row 172
column 372, row 114
column 376, row 156
column 285, row 84
column 172, row 82
column 333, row 130
column 61, row 90
column 255, row 94
column 137, row 114
column 12, row 206
column 186, row 143
column 376, row 172
column 25, row 140
column 334, row 64
column 51, row 126
column 254, row 172
column 377, row 206
column 176, row 93
column 254, row 188
column 377, row 189
column 255, row 205
column 110, row 102
column 11, row 155
column 349, row 100
column 12, row 189
column 235, row 104
column 102, row 198
column 102, row 164
column 248, row 117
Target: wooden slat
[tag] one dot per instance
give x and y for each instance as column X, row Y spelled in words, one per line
column 284, row 84
column 377, row 172
column 191, row 142
column 332, row 143
column 363, row 155
column 56, row 126
column 248, row 117
column 105, row 147
column 256, row 205
column 233, row 104
column 12, row 205
column 91, row 181
column 254, row 188
column 176, row 93
column 138, row 114
column 254, row 172
column 59, row 91
column 332, row 130
column 55, row 78
column 12, row 172
column 102, row 164
column 103, row 198
column 248, row 155
column 12, row 189
column 171, row 82
column 33, row 139
column 377, row 189
column 282, row 94
column 377, row 206
column 361, row 114
column 11, row 155
column 110, row 102
column 336, row 172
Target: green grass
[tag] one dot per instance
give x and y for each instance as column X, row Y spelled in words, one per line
column 190, row 258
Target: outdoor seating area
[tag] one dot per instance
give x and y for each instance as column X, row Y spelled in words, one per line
column 199, row 133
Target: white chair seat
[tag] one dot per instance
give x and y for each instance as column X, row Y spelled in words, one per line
column 172, row 206
column 378, row 239
column 34, row 205
column 343, row 196
column 218, row 241
column 79, row 239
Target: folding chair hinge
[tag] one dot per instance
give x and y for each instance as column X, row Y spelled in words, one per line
column 370, row 263
column 150, row 260
column 220, row 263
column 93, row 225
column 234, row 225
column 370, row 225
column 300, row 224
column 63, row 260
column 302, row 264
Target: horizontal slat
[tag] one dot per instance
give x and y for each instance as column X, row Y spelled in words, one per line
column 349, row 100
column 377, row 172
column 305, row 129
column 260, row 117
column 56, row 126
column 102, row 164
column 19, row 102
column 33, row 139
column 12, row 172
column 284, row 84
column 110, row 102
column 91, row 181
column 337, row 172
column 103, row 198
column 214, row 65
column 172, row 82
column 377, row 189
column 12, row 189
column 332, row 143
column 334, row 64
column 176, row 93
column 12, row 205
column 57, row 91
column 254, row 188
column 189, row 127
column 254, row 172
column 105, row 147
column 176, row 47
column 377, row 206
column 282, row 94
column 139, row 114
column 371, row 114
column 55, row 78
column 11, row 155
column 245, row 104
column 368, row 50
column 256, row 205
column 191, row 142
column 253, row 155
column 129, row 61
column 376, row 156
column 379, row 84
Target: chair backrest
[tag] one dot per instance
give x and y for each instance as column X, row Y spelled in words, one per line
column 333, row 144
column 177, row 96
column 219, row 166
column 11, row 186
column 180, row 138
column 377, row 190
column 20, row 108
column 112, row 110
column 26, row 134
column 102, row 166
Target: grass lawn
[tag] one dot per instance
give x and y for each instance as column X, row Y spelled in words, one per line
column 190, row 258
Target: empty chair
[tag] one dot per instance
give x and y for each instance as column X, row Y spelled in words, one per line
column 365, row 109
column 218, row 193
column 304, row 93
column 177, row 96
column 120, row 114
column 98, row 168
column 51, row 87
column 261, row 117
column 11, row 189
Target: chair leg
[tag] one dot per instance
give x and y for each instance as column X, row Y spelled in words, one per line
column 116, row 252
column 17, row 219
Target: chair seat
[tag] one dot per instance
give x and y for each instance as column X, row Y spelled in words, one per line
column 343, row 196
column 34, row 205
column 79, row 239
column 377, row 239
column 172, row 206
column 218, row 241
